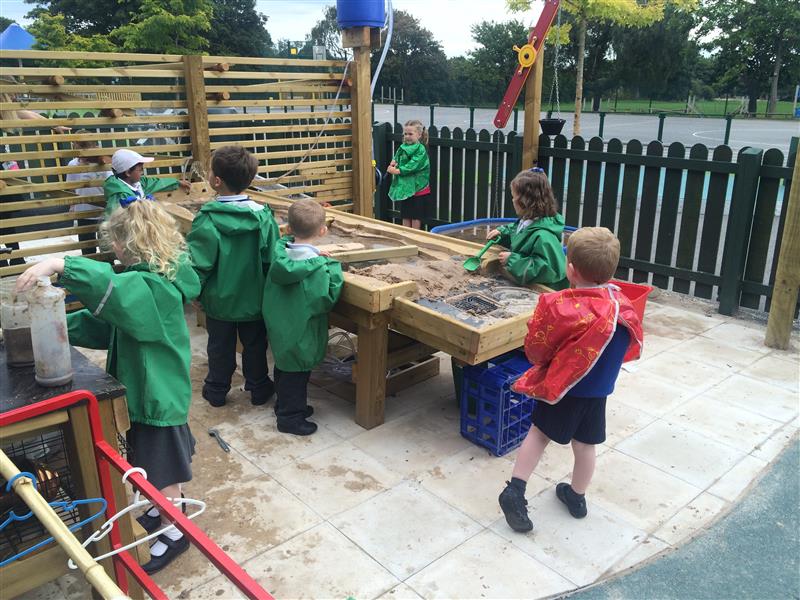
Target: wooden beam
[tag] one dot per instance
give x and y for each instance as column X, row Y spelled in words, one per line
column 363, row 171
column 351, row 256
column 371, row 373
column 787, row 276
column 198, row 109
column 533, row 112
column 356, row 37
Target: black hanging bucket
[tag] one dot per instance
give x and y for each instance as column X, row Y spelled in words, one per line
column 552, row 126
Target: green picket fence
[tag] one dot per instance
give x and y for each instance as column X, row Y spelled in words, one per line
column 695, row 220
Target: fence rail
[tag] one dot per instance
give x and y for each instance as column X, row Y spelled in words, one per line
column 695, row 220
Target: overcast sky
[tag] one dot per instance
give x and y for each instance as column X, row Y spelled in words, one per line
column 448, row 20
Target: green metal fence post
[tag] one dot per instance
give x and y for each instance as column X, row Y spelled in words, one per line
column 394, row 122
column 431, row 124
column 516, row 119
column 602, row 125
column 472, row 117
column 728, row 121
column 740, row 221
column 380, row 142
column 661, row 118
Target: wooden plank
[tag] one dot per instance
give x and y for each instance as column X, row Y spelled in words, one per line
column 353, row 256
column 591, row 194
column 457, row 180
column 88, row 103
column 347, row 162
column 363, row 173
column 198, row 108
column 648, row 207
column 575, row 185
column 89, row 122
column 41, row 219
column 787, row 277
column 712, row 221
column 35, row 89
column 413, row 375
column 482, row 208
column 67, row 154
column 629, row 202
column 410, row 353
column 532, row 113
column 44, row 171
column 46, row 234
column 611, row 172
column 123, row 71
column 690, row 217
column 470, row 177
column 40, row 250
column 668, row 220
column 372, row 295
column 282, row 117
column 763, row 219
column 559, row 172
column 96, row 137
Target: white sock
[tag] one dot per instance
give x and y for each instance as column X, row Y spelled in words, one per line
column 153, row 512
column 160, row 547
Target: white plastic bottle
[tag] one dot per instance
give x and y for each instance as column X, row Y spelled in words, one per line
column 49, row 334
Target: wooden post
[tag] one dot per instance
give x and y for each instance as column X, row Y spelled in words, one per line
column 358, row 38
column 533, row 109
column 787, row 276
column 198, row 110
column 371, row 371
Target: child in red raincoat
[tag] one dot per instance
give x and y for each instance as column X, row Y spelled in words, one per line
column 577, row 341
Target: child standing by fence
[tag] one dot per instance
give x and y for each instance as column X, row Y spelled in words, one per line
column 577, row 341
column 302, row 287
column 137, row 315
column 411, row 171
column 231, row 243
column 98, row 161
column 535, row 253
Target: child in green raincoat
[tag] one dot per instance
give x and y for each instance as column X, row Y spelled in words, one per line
column 303, row 285
column 128, row 180
column 137, row 315
column 411, row 174
column 535, row 253
column 231, row 243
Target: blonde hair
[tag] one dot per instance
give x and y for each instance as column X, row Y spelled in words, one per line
column 306, row 217
column 594, row 253
column 423, row 133
column 534, row 195
column 146, row 233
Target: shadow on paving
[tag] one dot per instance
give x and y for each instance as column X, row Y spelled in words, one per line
column 752, row 552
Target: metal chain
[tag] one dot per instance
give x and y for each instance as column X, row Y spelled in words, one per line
column 554, row 85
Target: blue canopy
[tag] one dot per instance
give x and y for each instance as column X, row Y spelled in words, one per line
column 16, row 38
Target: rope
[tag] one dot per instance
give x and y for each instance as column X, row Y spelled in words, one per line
column 324, row 125
column 554, row 85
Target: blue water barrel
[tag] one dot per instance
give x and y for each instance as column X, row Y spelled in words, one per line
column 360, row 13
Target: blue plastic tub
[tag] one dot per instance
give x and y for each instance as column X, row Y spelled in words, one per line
column 464, row 224
column 360, row 13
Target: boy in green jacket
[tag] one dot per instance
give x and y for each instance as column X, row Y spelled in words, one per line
column 231, row 243
column 535, row 253
column 129, row 183
column 303, row 285
column 137, row 315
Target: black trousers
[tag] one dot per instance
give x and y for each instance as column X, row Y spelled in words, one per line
column 85, row 237
column 292, row 390
column 222, row 359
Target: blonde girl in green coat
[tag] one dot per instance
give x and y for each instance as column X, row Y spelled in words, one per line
column 137, row 315
column 411, row 173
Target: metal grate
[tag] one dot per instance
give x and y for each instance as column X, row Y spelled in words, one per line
column 475, row 304
column 45, row 456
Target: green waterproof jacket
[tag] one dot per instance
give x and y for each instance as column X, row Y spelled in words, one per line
column 537, row 255
column 138, row 317
column 231, row 245
column 115, row 189
column 298, row 296
column 415, row 171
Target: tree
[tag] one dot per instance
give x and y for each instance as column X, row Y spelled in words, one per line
column 168, row 27
column 4, row 23
column 88, row 17
column 494, row 60
column 630, row 13
column 755, row 42
column 51, row 34
column 327, row 33
column 239, row 30
column 415, row 62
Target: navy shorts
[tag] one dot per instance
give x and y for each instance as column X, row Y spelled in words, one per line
column 572, row 418
column 414, row 207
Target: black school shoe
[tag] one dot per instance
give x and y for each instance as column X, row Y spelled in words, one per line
column 174, row 549
column 264, row 396
column 214, row 401
column 515, row 509
column 575, row 502
column 297, row 427
column 151, row 524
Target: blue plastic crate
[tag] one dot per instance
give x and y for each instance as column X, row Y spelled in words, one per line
column 492, row 415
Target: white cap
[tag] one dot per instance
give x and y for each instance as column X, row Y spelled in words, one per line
column 124, row 159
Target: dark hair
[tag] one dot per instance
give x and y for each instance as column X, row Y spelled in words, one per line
column 306, row 217
column 87, row 144
column 235, row 166
column 534, row 195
